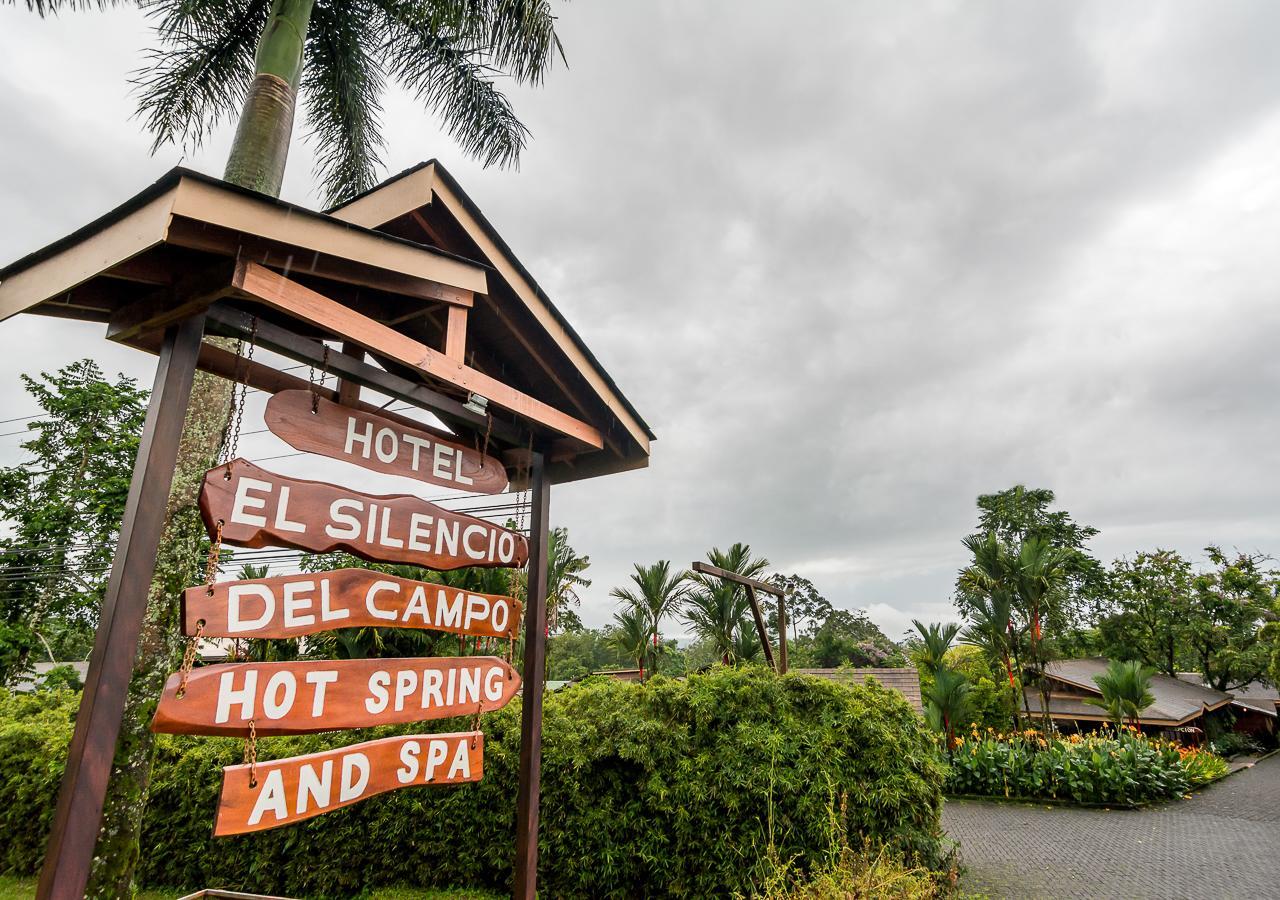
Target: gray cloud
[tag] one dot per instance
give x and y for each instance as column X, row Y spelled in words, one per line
column 855, row 262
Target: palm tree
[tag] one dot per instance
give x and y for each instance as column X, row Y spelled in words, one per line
column 1126, row 691
column 1040, row 578
column 564, row 575
column 935, row 641
column 250, row 59
column 630, row 636
column 992, row 630
column 947, row 703
column 253, row 59
column 657, row 593
column 717, row 609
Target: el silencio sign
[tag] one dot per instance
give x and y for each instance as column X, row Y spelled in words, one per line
column 248, row 506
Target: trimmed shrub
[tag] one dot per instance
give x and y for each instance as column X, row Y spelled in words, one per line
column 672, row 788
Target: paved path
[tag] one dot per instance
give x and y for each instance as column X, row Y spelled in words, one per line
column 1222, row 843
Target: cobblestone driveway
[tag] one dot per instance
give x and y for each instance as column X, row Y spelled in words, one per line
column 1223, row 842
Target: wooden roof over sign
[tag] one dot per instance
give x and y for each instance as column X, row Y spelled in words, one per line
column 425, row 294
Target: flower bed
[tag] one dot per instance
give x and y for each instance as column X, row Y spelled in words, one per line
column 1123, row 769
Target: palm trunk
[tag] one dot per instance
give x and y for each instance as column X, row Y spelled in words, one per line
column 261, row 146
column 257, row 162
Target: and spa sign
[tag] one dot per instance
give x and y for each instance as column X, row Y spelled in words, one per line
column 248, row 506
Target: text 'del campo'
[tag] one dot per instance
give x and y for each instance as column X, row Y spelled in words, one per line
column 380, row 444
column 329, row 695
column 287, row 606
column 301, row 787
column 260, row 509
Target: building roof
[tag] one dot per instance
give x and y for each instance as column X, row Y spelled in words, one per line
column 1177, row 701
column 437, row 273
column 906, row 681
column 1256, row 695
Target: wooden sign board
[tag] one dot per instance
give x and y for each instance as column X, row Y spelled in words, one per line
column 380, row 444
column 288, row 606
column 302, row 787
column 260, row 509
column 329, row 695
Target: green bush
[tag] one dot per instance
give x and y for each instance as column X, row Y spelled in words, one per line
column 671, row 788
column 1106, row 768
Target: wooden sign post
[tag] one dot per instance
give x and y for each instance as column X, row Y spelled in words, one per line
column 752, row 585
column 431, row 309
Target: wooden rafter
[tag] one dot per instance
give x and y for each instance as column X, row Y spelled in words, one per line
column 259, row 283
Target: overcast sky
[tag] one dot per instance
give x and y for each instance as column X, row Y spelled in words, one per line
column 855, row 263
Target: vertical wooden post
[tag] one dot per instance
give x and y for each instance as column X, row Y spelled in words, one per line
column 760, row 627
column 349, row 391
column 93, row 745
column 535, row 653
column 782, row 634
column 455, row 335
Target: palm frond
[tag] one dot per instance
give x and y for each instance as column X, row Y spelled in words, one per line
column 445, row 75
column 198, row 76
column 342, row 88
column 43, row 8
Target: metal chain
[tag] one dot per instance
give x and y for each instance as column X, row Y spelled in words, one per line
column 251, row 754
column 229, row 451
column 315, row 387
column 475, row 723
column 189, row 659
column 215, row 553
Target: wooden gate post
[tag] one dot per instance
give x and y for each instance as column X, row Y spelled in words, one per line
column 535, row 653
column 84, row 781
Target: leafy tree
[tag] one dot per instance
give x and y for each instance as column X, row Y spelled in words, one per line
column 991, row 629
column 1151, row 611
column 716, row 609
column 1126, row 690
column 657, row 593
column 845, row 638
column 1020, row 513
column 1229, row 605
column 63, row 507
column 804, row 603
column 577, row 653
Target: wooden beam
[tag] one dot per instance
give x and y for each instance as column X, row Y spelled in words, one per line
column 761, row 630
column 237, row 323
column 455, row 335
column 198, row 236
column 159, row 308
column 93, row 744
column 535, row 655
column 259, row 283
column 348, row 390
column 717, row 572
column 782, row 635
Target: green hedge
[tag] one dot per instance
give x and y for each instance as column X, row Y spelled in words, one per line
column 663, row 789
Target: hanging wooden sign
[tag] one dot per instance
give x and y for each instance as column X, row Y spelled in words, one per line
column 302, row 787
column 287, row 606
column 380, row 444
column 328, row 695
column 260, row 509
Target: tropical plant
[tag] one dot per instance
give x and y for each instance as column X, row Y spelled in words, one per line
column 716, row 609
column 564, row 576
column 658, row 591
column 630, row 636
column 935, row 641
column 946, row 703
column 1126, row 690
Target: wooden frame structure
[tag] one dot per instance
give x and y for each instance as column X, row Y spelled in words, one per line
column 437, row 313
column 752, row 585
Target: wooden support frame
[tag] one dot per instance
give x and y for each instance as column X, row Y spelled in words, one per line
column 265, row 286
column 752, row 585
column 455, row 335
column 535, row 654
column 93, row 745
